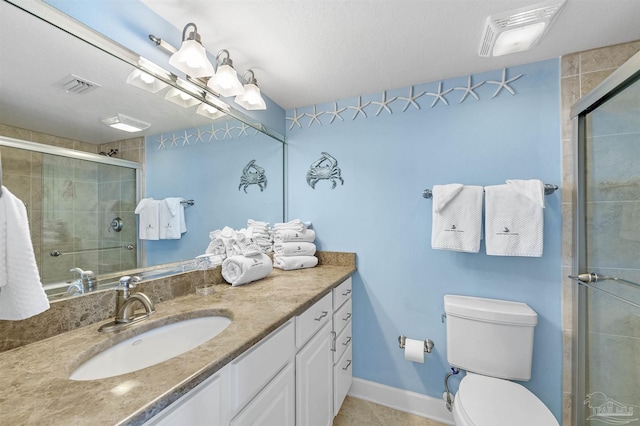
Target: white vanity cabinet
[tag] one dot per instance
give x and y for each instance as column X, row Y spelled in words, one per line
column 342, row 352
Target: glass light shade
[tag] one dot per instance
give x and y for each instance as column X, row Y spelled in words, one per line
column 192, row 60
column 145, row 81
column 225, row 81
column 251, row 99
column 209, row 111
column 181, row 98
column 518, row 39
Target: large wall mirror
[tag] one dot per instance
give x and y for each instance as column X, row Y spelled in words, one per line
column 58, row 80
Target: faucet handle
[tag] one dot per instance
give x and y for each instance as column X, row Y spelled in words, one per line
column 128, row 282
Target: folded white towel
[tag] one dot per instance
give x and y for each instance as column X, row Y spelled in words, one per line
column 286, row 235
column 245, row 245
column 148, row 210
column 21, row 292
column 456, row 222
column 289, row 263
column 238, row 270
column 295, row 224
column 294, row 249
column 171, row 218
column 514, row 219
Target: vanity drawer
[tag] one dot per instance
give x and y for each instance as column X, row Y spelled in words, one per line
column 342, row 317
column 343, row 341
column 342, row 378
column 312, row 319
column 342, row 293
column 256, row 367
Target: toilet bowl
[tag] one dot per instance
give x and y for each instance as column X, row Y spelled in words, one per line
column 488, row 401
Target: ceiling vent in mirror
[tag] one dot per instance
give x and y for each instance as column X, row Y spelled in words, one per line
column 78, row 85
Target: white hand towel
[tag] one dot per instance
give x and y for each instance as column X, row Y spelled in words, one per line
column 148, row 210
column 171, row 218
column 289, row 263
column 238, row 270
column 295, row 224
column 456, row 222
column 286, row 235
column 245, row 245
column 21, row 292
column 294, row 249
column 514, row 219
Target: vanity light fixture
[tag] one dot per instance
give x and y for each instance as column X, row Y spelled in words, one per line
column 125, row 123
column 191, row 58
column 211, row 112
column 145, row 81
column 251, row 99
column 225, row 80
column 518, row 30
column 183, row 97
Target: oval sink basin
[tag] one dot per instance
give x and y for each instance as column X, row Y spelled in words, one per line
column 151, row 347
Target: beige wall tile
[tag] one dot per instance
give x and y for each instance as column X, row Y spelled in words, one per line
column 607, row 57
column 570, row 65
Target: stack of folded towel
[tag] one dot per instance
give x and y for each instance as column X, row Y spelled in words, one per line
column 161, row 219
column 260, row 234
column 293, row 245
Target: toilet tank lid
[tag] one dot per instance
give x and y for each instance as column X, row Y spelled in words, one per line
column 490, row 310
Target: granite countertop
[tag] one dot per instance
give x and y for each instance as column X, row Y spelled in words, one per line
column 35, row 388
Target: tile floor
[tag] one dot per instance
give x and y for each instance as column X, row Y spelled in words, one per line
column 356, row 412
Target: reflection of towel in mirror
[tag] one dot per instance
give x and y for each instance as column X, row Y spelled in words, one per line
column 285, row 235
column 238, row 270
column 289, row 263
column 171, row 218
column 21, row 292
column 294, row 249
column 149, row 219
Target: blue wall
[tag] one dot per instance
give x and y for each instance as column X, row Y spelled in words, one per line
column 386, row 161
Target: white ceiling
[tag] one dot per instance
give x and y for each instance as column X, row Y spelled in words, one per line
column 308, row 52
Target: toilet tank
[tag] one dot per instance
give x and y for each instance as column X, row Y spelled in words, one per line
column 490, row 336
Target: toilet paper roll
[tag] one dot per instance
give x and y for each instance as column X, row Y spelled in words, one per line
column 414, row 350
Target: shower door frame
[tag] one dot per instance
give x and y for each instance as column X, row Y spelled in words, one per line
column 618, row 81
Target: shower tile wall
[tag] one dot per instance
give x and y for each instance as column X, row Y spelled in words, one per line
column 580, row 73
column 83, row 199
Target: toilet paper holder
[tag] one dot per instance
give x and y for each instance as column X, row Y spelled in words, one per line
column 428, row 344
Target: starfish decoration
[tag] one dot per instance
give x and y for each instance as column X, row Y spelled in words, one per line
column 439, row 96
column 359, row 108
column 243, row 130
column 174, row 140
column 469, row 90
column 384, row 103
column 295, row 119
column 185, row 139
column 411, row 100
column 336, row 112
column 213, row 133
column 314, row 116
column 161, row 142
column 199, row 135
column 227, row 131
column 504, row 84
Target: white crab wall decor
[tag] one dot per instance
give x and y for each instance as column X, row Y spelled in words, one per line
column 249, row 177
column 326, row 167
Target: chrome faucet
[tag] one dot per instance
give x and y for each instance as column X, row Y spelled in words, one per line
column 125, row 301
column 85, row 283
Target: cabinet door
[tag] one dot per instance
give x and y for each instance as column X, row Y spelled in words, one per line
column 274, row 405
column 343, row 376
column 314, row 381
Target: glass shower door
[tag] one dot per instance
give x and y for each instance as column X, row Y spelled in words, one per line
column 610, row 253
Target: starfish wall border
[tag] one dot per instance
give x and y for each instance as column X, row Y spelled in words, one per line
column 412, row 100
column 214, row 132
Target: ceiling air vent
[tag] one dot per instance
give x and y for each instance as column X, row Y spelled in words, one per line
column 74, row 84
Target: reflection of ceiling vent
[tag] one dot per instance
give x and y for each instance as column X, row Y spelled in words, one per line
column 74, row 84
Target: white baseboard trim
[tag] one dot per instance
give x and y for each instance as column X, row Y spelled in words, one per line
column 402, row 400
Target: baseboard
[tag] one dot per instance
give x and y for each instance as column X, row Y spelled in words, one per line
column 402, row 400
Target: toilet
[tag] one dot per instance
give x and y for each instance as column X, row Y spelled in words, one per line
column 492, row 340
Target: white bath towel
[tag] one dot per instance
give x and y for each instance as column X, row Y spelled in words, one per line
column 295, row 224
column 148, row 211
column 294, row 249
column 21, row 292
column 289, row 263
column 514, row 218
column 456, row 222
column 171, row 218
column 286, row 235
column 238, row 270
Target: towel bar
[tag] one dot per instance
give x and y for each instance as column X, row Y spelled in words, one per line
column 188, row 202
column 548, row 190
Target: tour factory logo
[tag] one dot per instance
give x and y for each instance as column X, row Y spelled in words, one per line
column 506, row 231
column 454, row 228
column 609, row 411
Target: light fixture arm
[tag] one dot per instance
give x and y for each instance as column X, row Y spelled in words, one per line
column 225, row 61
column 194, row 34
column 251, row 80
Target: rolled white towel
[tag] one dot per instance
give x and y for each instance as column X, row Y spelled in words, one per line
column 294, row 249
column 289, row 263
column 286, row 235
column 238, row 270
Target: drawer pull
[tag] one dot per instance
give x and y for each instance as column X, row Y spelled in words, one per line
column 346, row 342
column 345, row 368
column 346, row 293
column 324, row 314
column 347, row 318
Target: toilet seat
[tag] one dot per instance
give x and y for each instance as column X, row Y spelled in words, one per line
column 488, row 401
